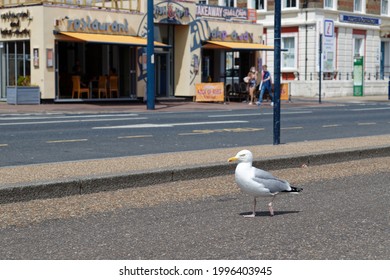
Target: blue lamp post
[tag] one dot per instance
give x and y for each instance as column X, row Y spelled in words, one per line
column 150, row 95
column 277, row 46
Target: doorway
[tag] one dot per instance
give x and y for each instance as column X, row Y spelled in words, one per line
column 162, row 74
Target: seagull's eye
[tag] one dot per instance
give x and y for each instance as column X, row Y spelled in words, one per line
column 242, row 155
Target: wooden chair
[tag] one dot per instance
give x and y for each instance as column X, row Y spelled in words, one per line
column 78, row 89
column 102, row 86
column 113, row 86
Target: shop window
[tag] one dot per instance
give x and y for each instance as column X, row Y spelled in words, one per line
column 257, row 4
column 288, row 57
column 330, row 4
column 385, row 7
column 359, row 6
column 290, row 4
column 15, row 60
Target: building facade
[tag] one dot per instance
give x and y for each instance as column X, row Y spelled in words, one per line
column 51, row 42
column 349, row 29
column 343, row 31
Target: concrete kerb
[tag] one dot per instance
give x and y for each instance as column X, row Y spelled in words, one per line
column 88, row 185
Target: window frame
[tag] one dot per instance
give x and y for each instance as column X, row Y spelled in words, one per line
column 251, row 2
column 293, row 35
column 223, row 3
column 362, row 49
column 332, row 7
column 362, row 4
column 284, row 5
column 386, row 13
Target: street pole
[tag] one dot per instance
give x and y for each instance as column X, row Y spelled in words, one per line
column 150, row 96
column 277, row 47
column 320, row 70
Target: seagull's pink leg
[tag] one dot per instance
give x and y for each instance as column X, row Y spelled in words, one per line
column 254, row 210
column 271, row 209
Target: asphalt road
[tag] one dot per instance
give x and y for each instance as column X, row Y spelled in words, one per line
column 41, row 138
column 343, row 213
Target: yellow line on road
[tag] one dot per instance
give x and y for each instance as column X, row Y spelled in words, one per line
column 66, row 141
column 3, row 145
column 134, row 136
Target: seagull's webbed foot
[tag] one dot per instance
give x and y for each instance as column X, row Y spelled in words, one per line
column 250, row 216
column 254, row 210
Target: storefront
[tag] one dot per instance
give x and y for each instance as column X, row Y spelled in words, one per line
column 51, row 44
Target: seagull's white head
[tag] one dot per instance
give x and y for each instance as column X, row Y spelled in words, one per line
column 242, row 156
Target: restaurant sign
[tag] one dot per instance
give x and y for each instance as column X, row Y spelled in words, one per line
column 223, row 35
column 15, row 23
column 89, row 25
column 221, row 12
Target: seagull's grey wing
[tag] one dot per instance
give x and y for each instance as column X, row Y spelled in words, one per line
column 259, row 173
column 270, row 182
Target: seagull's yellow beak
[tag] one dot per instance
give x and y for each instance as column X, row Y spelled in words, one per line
column 232, row 159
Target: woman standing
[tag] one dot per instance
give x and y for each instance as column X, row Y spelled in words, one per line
column 252, row 78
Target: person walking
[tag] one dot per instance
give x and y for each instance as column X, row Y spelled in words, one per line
column 265, row 84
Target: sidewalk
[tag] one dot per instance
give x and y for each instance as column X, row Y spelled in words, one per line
column 22, row 183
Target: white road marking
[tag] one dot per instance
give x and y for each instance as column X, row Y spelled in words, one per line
column 331, row 125
column 66, row 141
column 155, row 125
column 368, row 123
column 72, row 121
column 3, row 145
column 43, row 117
column 370, row 109
column 259, row 114
column 292, row 127
column 134, row 136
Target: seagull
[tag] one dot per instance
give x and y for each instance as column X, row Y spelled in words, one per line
column 257, row 182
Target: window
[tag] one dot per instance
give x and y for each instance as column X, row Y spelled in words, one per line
column 227, row 3
column 288, row 57
column 257, row 4
column 290, row 3
column 359, row 6
column 330, row 4
column 385, row 7
column 358, row 48
column 204, row 2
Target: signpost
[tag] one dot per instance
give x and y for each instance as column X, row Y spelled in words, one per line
column 358, row 76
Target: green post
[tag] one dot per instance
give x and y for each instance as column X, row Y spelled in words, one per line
column 358, row 76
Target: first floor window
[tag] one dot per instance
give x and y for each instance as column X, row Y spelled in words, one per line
column 288, row 54
column 290, row 3
column 227, row 3
column 359, row 6
column 257, row 4
column 329, row 4
column 385, row 7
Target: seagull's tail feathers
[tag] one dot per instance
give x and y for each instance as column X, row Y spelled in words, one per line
column 294, row 190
